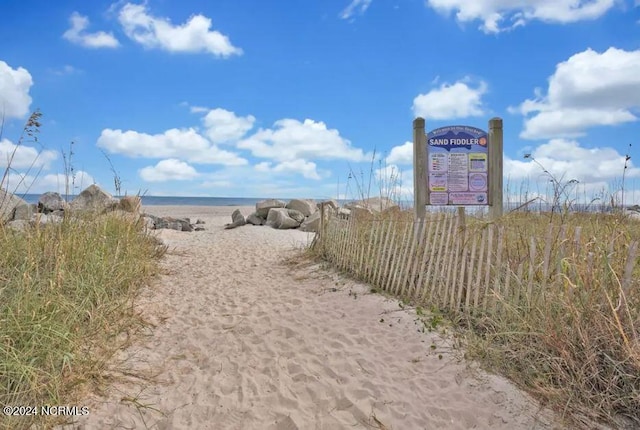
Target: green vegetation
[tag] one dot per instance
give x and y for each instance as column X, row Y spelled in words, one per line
column 66, row 292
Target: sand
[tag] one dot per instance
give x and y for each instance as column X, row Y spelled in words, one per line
column 244, row 341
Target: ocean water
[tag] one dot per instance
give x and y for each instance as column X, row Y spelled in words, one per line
column 178, row 201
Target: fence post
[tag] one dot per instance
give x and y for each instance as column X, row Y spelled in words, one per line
column 495, row 168
column 419, row 174
column 321, row 229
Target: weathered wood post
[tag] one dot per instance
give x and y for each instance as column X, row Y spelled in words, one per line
column 419, row 174
column 495, row 168
column 321, row 235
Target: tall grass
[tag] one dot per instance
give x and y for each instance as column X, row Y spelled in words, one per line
column 554, row 302
column 66, row 292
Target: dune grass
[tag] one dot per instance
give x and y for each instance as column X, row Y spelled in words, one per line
column 566, row 331
column 66, row 291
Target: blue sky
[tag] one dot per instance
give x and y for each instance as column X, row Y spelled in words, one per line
column 273, row 98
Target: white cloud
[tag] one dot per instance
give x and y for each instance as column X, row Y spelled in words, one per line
column 20, row 183
column 497, row 15
column 589, row 89
column 23, row 157
column 567, row 159
column 168, row 170
column 402, row 154
column 458, row 100
column 224, row 126
column 193, row 36
column 291, row 140
column 306, row 168
column 355, row 7
column 174, row 143
column 14, row 91
column 76, row 34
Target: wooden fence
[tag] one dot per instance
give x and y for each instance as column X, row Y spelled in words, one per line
column 479, row 268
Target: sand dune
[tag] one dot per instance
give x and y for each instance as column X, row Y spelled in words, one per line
column 244, row 341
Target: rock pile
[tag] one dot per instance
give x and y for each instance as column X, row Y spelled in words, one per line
column 297, row 213
column 305, row 214
column 52, row 207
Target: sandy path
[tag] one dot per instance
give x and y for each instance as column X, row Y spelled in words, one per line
column 246, row 343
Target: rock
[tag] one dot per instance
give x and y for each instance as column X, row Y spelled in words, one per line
column 50, row 201
column 263, row 207
column 306, row 207
column 328, row 203
column 19, row 225
column 391, row 211
column 295, row 214
column 149, row 221
column 8, row 205
column 255, row 219
column 361, row 213
column 279, row 218
column 50, row 218
column 312, row 223
column 173, row 224
column 377, row 204
column 344, row 213
column 198, row 227
column 94, row 198
column 199, row 221
column 130, row 204
column 237, row 220
column 23, row 211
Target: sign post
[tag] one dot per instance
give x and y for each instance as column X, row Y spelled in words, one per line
column 457, row 165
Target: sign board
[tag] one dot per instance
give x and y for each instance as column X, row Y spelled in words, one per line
column 458, row 166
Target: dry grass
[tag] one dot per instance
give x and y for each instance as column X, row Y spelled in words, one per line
column 565, row 329
column 66, row 293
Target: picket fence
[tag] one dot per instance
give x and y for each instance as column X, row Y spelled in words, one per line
column 441, row 261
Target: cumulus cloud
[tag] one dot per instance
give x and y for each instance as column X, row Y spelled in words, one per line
column 21, row 183
column 449, row 101
column 168, row 170
column 355, row 7
column 589, row 89
column 24, row 157
column 14, row 91
column 568, row 159
column 174, row 143
column 497, row 16
column 224, row 126
column 291, row 140
column 402, row 154
column 195, row 35
column 305, row 168
column 77, row 34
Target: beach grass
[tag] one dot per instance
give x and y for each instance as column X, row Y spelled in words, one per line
column 67, row 292
column 567, row 327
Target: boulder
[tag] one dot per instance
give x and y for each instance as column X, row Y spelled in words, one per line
column 23, row 211
column 8, row 205
column 295, row 214
column 19, row 225
column 94, row 198
column 279, row 218
column 374, row 204
column 173, row 224
column 263, row 207
column 312, row 223
column 50, row 201
column 361, row 214
column 130, row 204
column 328, row 203
column 306, row 207
column 237, row 220
column 344, row 213
column 255, row 219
